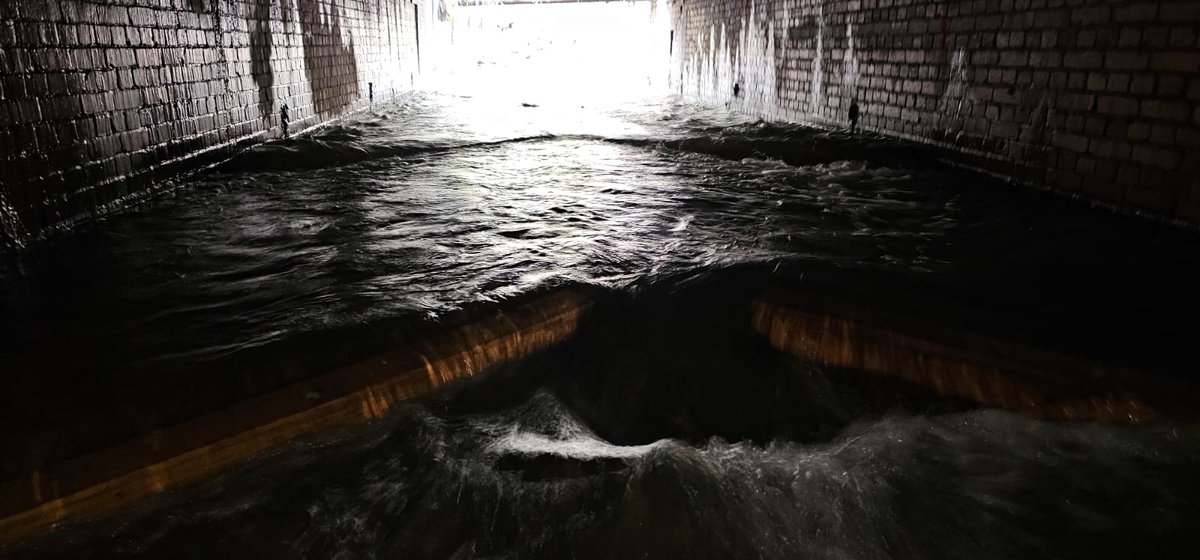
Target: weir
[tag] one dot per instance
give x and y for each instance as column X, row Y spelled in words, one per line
column 931, row 363
column 656, row 278
column 983, row 370
column 111, row 479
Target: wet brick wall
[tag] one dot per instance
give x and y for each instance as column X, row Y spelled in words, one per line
column 1095, row 97
column 101, row 101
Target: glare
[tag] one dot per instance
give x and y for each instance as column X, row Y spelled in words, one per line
column 553, row 55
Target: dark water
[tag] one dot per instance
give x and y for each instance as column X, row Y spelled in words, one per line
column 666, row 428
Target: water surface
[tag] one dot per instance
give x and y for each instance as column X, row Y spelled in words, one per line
column 667, row 428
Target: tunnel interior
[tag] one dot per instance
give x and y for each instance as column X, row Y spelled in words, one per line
column 697, row 278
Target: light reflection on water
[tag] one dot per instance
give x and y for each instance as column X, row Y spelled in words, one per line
column 440, row 200
column 253, row 274
column 244, row 259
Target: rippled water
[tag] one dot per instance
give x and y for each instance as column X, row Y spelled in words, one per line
column 666, row 429
column 412, row 211
column 477, row 213
column 480, row 477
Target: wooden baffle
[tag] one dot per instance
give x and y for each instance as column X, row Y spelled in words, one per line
column 112, row 479
column 985, row 370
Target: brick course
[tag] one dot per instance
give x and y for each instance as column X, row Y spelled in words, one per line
column 1020, row 88
column 102, row 100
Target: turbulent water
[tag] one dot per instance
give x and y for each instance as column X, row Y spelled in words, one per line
column 665, row 428
column 534, row 482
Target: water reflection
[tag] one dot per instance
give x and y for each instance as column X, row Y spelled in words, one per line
column 235, row 271
column 300, row 255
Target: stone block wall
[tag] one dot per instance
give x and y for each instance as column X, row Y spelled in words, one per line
column 102, row 100
column 1095, row 97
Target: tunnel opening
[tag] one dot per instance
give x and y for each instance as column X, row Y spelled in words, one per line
column 552, row 54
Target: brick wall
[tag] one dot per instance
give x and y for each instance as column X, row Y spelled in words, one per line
column 102, row 100
column 1095, row 97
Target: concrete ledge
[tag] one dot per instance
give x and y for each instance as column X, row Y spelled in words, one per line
column 108, row 481
column 984, row 370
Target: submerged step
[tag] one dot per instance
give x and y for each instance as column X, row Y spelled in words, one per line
column 985, row 370
column 110, row 480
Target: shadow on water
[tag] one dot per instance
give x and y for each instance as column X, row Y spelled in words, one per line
column 677, row 358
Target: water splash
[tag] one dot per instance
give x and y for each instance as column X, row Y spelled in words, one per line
column 746, row 61
column 981, row 484
column 958, row 101
column 12, row 229
column 815, row 92
column 850, row 69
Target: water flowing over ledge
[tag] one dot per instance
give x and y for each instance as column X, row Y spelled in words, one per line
column 671, row 218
